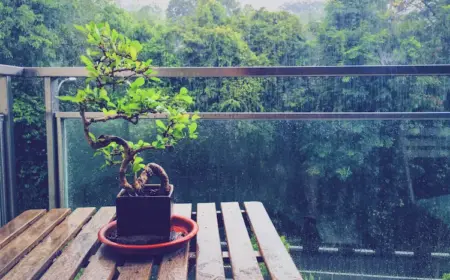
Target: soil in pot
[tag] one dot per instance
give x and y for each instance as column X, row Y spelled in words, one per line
column 141, row 239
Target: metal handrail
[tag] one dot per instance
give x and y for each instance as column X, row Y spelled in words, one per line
column 8, row 70
column 259, row 71
column 319, row 116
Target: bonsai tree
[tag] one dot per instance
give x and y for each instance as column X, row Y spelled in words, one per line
column 114, row 68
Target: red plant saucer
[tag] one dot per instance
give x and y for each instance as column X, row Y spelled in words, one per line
column 179, row 224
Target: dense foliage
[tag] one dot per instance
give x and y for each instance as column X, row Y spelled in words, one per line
column 361, row 169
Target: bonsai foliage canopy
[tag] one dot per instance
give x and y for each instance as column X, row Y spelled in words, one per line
column 119, row 85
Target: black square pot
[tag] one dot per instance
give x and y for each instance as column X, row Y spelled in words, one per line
column 144, row 215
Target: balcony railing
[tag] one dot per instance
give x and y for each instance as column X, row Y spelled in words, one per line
column 62, row 130
column 54, row 118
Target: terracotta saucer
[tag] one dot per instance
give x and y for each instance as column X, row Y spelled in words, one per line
column 180, row 224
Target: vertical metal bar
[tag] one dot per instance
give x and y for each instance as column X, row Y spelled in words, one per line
column 3, row 201
column 51, row 106
column 6, row 108
column 62, row 167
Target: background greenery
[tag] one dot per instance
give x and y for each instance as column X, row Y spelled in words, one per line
column 357, row 169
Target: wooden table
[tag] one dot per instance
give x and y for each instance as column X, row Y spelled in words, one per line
column 62, row 244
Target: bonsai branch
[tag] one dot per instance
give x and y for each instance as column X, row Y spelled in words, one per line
column 123, row 176
column 148, row 147
column 150, row 170
column 105, row 140
column 133, row 119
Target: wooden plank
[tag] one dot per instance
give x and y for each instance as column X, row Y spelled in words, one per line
column 102, row 266
column 40, row 258
column 175, row 265
column 278, row 261
column 243, row 261
column 21, row 245
column 218, row 212
column 67, row 265
column 209, row 252
column 18, row 225
column 226, row 255
column 136, row 270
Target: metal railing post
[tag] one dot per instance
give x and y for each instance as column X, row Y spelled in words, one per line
column 6, row 109
column 62, row 167
column 3, row 200
column 52, row 106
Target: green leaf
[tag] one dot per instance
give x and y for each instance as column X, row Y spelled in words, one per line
column 86, row 60
column 179, row 126
column 106, row 152
column 114, row 35
column 184, row 118
column 92, row 136
column 137, row 164
column 160, row 145
column 109, row 112
column 92, row 71
column 140, row 143
column 67, row 98
column 112, row 105
column 185, row 98
column 192, row 128
column 107, row 30
column 133, row 52
column 138, row 160
column 79, row 28
column 138, row 82
column 134, row 106
column 178, row 134
column 136, row 45
column 161, row 125
column 103, row 94
column 80, row 97
column 195, row 117
column 183, row 91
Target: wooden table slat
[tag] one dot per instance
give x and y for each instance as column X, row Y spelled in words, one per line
column 102, row 266
column 67, row 265
column 209, row 252
column 136, row 270
column 18, row 225
column 278, row 261
column 21, row 245
column 243, row 261
column 175, row 265
column 40, row 258
column 30, row 243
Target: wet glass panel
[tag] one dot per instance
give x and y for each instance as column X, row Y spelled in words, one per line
column 375, row 186
column 304, row 94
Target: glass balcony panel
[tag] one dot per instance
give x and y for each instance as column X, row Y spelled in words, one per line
column 308, row 94
column 378, row 186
